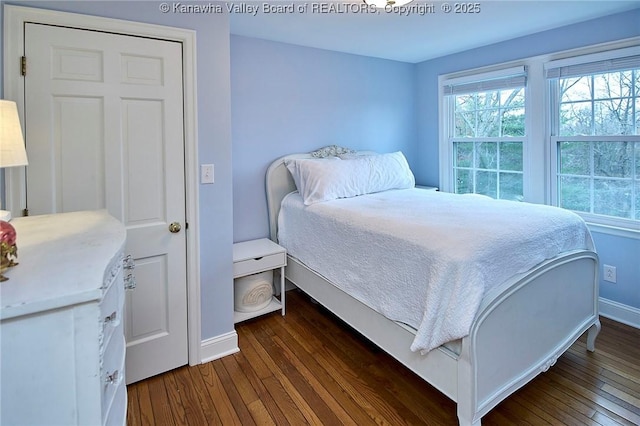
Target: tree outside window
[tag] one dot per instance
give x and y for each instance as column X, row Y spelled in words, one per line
column 489, row 131
column 598, row 144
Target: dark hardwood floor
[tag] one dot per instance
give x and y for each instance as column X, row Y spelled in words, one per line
column 310, row 368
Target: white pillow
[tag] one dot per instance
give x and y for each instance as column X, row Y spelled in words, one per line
column 323, row 179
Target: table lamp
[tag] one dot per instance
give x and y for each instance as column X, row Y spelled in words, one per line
column 12, row 153
column 12, row 150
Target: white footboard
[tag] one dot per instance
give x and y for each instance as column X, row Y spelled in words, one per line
column 522, row 328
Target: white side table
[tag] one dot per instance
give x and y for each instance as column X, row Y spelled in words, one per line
column 427, row 188
column 252, row 257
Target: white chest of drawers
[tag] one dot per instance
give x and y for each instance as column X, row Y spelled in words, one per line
column 61, row 334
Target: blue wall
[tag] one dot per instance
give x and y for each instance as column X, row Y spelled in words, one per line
column 622, row 252
column 288, row 99
column 214, row 141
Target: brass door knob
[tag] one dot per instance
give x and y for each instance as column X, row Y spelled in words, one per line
column 175, row 227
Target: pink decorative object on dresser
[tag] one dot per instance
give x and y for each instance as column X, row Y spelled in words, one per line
column 8, row 248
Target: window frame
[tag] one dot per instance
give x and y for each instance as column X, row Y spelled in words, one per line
column 582, row 62
column 483, row 81
column 540, row 150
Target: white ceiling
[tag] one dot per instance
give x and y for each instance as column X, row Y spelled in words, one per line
column 416, row 37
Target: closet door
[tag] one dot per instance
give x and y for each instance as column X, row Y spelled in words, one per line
column 104, row 130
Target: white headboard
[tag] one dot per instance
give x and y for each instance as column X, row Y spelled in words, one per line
column 278, row 183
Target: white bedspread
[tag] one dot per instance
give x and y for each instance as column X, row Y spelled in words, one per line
column 425, row 258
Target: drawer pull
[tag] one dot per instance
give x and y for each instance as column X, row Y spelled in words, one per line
column 111, row 318
column 130, row 282
column 113, row 379
column 258, row 258
column 128, row 263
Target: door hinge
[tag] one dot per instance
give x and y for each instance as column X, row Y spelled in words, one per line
column 25, row 212
column 23, row 66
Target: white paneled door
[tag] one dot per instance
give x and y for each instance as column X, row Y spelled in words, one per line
column 104, row 130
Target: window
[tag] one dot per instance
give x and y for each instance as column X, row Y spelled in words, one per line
column 595, row 134
column 485, row 117
column 560, row 129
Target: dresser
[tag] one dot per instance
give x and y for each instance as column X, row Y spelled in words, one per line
column 61, row 333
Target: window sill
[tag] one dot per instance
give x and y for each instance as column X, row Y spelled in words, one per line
column 614, row 230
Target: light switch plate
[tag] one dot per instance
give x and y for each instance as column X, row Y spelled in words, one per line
column 206, row 173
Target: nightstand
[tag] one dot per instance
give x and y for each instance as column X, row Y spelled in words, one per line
column 427, row 188
column 255, row 256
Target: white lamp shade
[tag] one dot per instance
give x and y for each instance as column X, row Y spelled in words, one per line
column 12, row 150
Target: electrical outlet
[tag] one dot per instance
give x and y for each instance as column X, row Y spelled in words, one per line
column 609, row 273
column 206, row 173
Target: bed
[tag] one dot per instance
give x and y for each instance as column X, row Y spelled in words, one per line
column 519, row 323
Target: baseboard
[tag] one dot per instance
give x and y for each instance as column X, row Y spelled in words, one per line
column 219, row 346
column 227, row 344
column 618, row 312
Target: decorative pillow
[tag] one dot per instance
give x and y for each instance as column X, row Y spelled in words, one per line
column 330, row 151
column 328, row 179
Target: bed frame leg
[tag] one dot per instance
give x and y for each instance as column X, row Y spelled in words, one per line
column 592, row 333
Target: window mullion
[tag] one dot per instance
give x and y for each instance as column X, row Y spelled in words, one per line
column 592, row 185
column 498, row 149
column 474, row 170
column 634, row 96
column 593, row 106
column 634, row 179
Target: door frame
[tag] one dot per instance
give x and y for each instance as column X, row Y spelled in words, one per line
column 13, row 84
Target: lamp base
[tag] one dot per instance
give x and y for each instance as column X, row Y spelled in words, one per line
column 5, row 215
